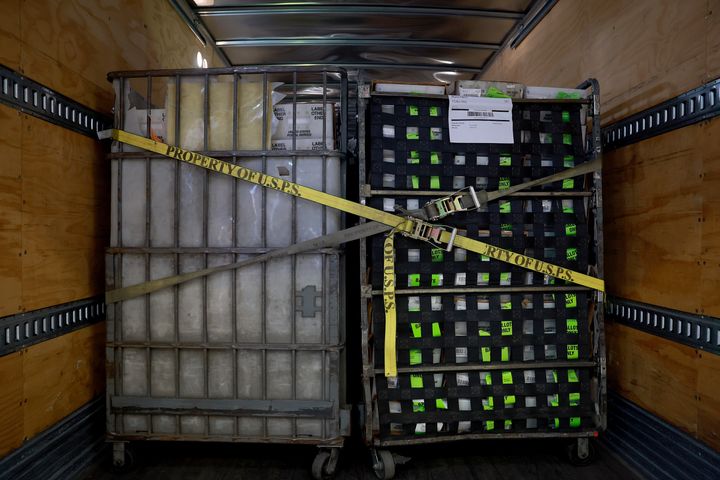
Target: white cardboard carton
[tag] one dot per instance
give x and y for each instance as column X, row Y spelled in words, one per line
column 308, row 121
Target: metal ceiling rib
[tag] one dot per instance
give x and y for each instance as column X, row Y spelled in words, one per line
column 411, row 40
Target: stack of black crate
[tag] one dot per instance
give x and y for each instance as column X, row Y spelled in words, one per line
column 482, row 349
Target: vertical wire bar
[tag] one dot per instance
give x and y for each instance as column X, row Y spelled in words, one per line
column 176, row 220
column 293, row 259
column 206, row 235
column 324, row 286
column 263, row 214
column 148, row 243
column 119, row 422
column 235, row 273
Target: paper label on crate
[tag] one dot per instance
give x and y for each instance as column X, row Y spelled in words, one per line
column 480, row 120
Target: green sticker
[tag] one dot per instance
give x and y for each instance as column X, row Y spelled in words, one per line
column 554, row 374
column 434, row 158
column 485, row 353
column 556, row 423
column 567, row 139
column 484, row 258
column 504, row 276
column 418, row 406
column 441, row 404
column 414, row 280
column 413, row 110
column 507, row 378
column 572, row 326
column 574, row 422
column 415, row 181
column 488, row 378
column 412, row 135
column 572, row 376
column 436, row 279
column 488, row 403
column 483, row 333
column 494, row 92
column 506, row 306
column 554, row 401
column 436, row 330
column 415, row 356
column 505, row 354
column 504, row 206
column 416, row 381
column 489, row 425
column 566, row 117
column 509, row 401
column 568, row 161
column 416, row 329
column 414, row 154
column 506, row 227
column 437, row 254
column 434, row 112
column 435, row 182
column 570, row 300
column 574, row 399
column 570, row 229
column 413, row 161
column 504, row 183
column 572, row 352
column 571, row 253
column 568, row 183
column 505, row 160
column 506, row 327
column 508, row 424
column 484, row 277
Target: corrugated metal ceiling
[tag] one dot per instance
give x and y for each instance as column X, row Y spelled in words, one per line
column 412, row 40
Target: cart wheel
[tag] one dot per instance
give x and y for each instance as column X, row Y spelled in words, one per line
column 324, row 466
column 123, row 457
column 581, row 455
column 384, row 466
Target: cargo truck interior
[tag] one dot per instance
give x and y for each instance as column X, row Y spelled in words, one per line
column 255, row 239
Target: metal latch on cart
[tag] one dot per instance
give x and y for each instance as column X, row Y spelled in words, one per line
column 430, row 233
column 307, row 300
column 457, row 202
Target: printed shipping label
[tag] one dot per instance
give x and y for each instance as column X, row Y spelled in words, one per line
column 480, row 120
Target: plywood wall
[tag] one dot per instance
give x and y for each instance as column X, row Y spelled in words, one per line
column 662, row 195
column 54, row 206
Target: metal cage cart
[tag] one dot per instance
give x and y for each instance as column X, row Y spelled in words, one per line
column 254, row 354
column 485, row 350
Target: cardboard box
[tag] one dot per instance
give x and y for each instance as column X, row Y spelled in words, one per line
column 409, row 88
column 480, row 88
column 308, row 121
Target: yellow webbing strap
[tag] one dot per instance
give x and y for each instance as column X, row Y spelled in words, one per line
column 389, row 303
column 400, row 224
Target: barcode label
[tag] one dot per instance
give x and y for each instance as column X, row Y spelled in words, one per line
column 481, row 113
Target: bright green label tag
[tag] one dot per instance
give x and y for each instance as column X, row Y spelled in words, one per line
column 506, row 227
column 414, row 280
column 504, row 183
column 414, row 154
column 554, row 374
column 554, row 401
column 415, row 356
column 504, row 206
column 485, row 353
column 484, row 258
column 412, row 135
column 436, row 330
column 416, row 381
column 570, row 300
column 574, row 422
column 415, row 181
column 441, row 404
column 418, row 406
column 488, row 378
column 416, row 329
column 437, row 254
column 505, row 160
column 434, row 158
column 504, row 276
column 413, row 161
column 556, row 423
column 413, row 110
column 508, row 424
column 488, row 403
column 509, row 401
column 506, row 327
column 489, row 425
column 567, row 139
column 568, row 183
column 505, row 354
column 570, row 229
column 566, row 117
column 572, row 326
column 436, row 279
column 572, row 376
column 434, row 112
column 435, row 183
column 571, row 253
column 568, row 161
column 572, row 352
column 484, row 277
column 483, row 333
column 574, row 399
column 506, row 306
column 507, row 378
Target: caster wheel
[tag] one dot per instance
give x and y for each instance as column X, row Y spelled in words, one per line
column 123, row 461
column 577, row 457
column 324, row 466
column 384, row 466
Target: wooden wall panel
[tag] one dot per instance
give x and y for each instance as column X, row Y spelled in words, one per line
column 673, row 381
column 46, row 382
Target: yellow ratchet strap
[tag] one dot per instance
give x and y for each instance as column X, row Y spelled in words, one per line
column 389, row 304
